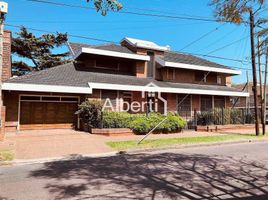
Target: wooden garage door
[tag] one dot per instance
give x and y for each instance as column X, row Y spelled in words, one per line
column 47, row 115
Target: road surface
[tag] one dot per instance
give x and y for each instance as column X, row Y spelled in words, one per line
column 237, row 171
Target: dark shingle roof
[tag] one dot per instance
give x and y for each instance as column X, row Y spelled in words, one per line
column 76, row 47
column 70, row 75
column 170, row 56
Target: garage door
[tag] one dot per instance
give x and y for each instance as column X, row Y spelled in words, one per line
column 45, row 114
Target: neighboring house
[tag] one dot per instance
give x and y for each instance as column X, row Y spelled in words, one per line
column 248, row 102
column 49, row 98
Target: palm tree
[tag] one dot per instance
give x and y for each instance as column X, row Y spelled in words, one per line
column 237, row 12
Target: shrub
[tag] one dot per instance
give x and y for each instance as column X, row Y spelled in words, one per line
column 118, row 119
column 140, row 123
column 90, row 112
column 173, row 123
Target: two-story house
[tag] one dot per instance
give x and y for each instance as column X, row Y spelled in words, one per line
column 49, row 98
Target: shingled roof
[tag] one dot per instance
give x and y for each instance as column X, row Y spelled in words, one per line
column 76, row 47
column 175, row 57
column 71, row 75
column 169, row 56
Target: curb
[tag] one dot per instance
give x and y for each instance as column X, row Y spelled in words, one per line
column 173, row 147
column 19, row 162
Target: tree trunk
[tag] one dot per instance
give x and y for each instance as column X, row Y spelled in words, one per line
column 254, row 88
column 260, row 82
column 264, row 91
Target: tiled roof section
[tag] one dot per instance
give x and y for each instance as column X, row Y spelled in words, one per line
column 76, row 47
column 70, row 75
column 170, row 56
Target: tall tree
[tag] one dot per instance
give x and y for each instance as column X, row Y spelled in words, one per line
column 239, row 11
column 38, row 51
column 106, row 5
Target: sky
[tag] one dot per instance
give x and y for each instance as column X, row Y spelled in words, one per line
column 176, row 33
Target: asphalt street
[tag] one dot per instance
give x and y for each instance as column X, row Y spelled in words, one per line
column 237, row 171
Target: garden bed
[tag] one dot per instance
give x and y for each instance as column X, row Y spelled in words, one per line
column 112, row 131
column 218, row 128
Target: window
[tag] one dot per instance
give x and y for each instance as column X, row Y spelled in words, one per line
column 206, row 103
column 30, row 98
column 50, row 98
column 184, row 105
column 109, row 95
column 107, row 64
column 219, row 102
column 200, row 76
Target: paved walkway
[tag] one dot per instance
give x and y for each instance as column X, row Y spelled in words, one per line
column 62, row 142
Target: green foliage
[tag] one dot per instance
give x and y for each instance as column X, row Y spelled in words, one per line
column 106, row 5
column 235, row 10
column 38, row 50
column 90, row 112
column 118, row 119
column 6, row 155
column 142, row 124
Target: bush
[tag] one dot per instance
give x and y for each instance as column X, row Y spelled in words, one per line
column 173, row 123
column 90, row 112
column 118, row 119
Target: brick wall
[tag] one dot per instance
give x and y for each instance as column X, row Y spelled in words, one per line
column 6, row 72
column 171, row 102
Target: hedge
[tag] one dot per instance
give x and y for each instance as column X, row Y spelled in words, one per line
column 141, row 124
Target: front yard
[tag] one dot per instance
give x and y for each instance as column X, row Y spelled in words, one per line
column 167, row 142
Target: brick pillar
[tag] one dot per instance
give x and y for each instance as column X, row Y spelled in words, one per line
column 6, row 71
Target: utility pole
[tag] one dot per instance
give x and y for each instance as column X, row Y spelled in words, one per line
column 264, row 91
column 260, row 82
column 3, row 12
column 253, row 60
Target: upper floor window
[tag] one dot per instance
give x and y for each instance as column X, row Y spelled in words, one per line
column 107, row 64
column 206, row 103
column 200, row 77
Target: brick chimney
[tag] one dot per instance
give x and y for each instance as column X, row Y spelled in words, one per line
column 6, row 73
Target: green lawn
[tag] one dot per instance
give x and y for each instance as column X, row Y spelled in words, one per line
column 6, row 155
column 155, row 143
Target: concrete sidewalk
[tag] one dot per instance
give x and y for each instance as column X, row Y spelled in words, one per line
column 40, row 144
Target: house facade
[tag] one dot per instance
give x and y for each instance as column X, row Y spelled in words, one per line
column 248, row 102
column 130, row 71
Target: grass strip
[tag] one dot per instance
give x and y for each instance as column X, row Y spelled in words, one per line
column 156, row 143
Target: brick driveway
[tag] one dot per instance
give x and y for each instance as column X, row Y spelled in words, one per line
column 55, row 143
column 63, row 142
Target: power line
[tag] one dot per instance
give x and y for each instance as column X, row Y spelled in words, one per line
column 227, row 45
column 70, row 35
column 109, row 41
column 200, row 38
column 216, row 41
column 132, row 13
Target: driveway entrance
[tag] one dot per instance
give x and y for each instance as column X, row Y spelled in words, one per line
column 56, row 143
